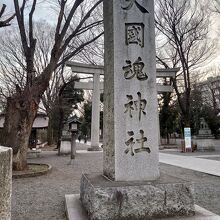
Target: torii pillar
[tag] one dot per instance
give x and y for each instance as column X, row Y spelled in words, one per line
column 95, row 114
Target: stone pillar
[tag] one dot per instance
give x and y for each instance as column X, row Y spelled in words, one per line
column 73, row 145
column 5, row 182
column 130, row 147
column 95, row 114
column 130, row 94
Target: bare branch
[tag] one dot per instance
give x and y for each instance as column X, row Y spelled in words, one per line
column 31, row 38
column 60, row 18
column 69, row 18
column 2, row 10
column 67, row 41
column 78, row 49
column 20, row 18
column 6, row 22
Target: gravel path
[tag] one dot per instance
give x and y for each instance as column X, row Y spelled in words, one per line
column 42, row 198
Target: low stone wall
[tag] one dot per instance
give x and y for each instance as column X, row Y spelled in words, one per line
column 205, row 144
column 177, row 141
column 5, row 182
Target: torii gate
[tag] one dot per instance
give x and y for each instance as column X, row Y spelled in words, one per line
column 97, row 87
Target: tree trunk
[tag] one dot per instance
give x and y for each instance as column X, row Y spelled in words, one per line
column 50, row 131
column 61, row 119
column 168, row 138
column 187, row 121
column 20, row 114
column 186, row 118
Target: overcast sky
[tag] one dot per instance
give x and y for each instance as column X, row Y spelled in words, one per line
column 45, row 11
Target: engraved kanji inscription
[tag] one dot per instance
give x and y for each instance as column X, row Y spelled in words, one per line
column 141, row 141
column 135, row 69
column 134, row 33
column 127, row 5
column 128, row 70
column 138, row 69
column 129, row 106
column 139, row 104
column 130, row 143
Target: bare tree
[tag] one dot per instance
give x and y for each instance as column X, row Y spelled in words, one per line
column 12, row 62
column 94, row 52
column 210, row 89
column 12, row 68
column 4, row 21
column 12, row 71
column 184, row 26
column 23, row 104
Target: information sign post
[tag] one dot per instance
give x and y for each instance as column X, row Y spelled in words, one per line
column 187, row 138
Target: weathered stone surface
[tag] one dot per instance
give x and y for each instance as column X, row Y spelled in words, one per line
column 108, row 114
column 5, row 182
column 111, row 200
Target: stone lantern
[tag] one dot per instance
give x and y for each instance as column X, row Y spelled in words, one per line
column 73, row 124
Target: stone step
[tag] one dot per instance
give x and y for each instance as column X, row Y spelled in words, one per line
column 74, row 209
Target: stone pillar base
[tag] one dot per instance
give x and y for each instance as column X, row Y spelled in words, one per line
column 94, row 148
column 166, row 197
column 5, row 182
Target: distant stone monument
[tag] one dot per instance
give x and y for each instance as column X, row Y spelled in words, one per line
column 131, row 186
column 5, row 182
column 204, row 140
column 204, row 130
